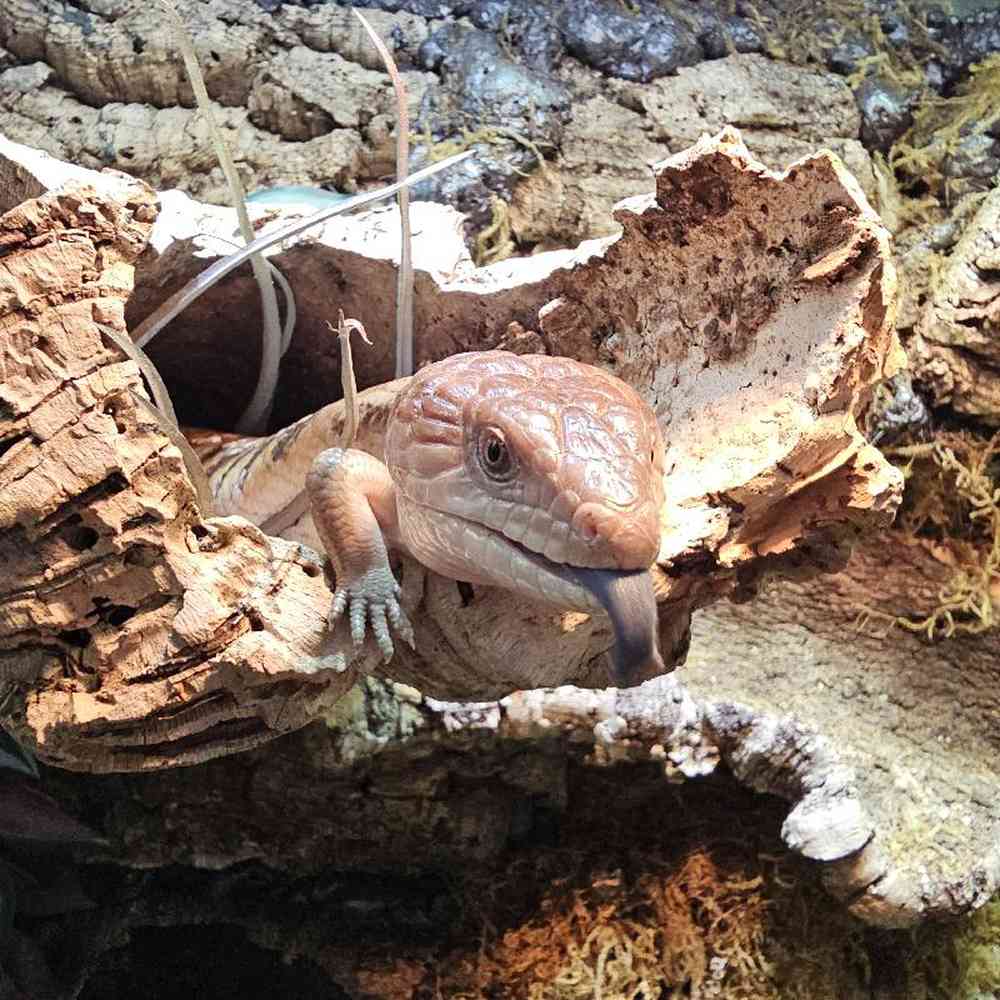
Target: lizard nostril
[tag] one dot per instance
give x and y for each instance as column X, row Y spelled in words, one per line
column 593, row 522
column 616, row 540
column 585, row 525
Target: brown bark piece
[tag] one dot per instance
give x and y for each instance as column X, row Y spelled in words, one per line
column 126, row 623
column 193, row 648
column 883, row 746
column 753, row 311
column 783, row 112
column 912, row 723
column 957, row 342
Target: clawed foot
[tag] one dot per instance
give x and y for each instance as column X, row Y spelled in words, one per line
column 375, row 597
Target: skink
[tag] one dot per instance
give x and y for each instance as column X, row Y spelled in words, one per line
column 538, row 474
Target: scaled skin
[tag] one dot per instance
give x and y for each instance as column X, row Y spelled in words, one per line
column 532, row 473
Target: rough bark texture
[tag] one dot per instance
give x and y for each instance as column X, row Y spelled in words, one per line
column 142, row 623
column 887, row 750
column 758, row 374
column 303, row 99
column 956, row 346
column 783, row 113
column 349, row 843
column 228, row 622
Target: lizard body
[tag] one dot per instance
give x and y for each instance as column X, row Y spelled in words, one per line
column 537, row 474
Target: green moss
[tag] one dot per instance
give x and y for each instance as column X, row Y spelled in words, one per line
column 798, row 41
column 959, row 959
column 977, row 951
column 941, row 126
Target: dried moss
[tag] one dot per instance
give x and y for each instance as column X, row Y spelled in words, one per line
column 710, row 922
column 941, row 126
column 812, row 40
column 914, row 185
column 469, row 137
column 494, row 242
column 673, row 932
column 952, row 505
column 682, row 892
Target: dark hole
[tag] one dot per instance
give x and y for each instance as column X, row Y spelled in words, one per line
column 78, row 637
column 466, row 593
column 142, row 555
column 118, row 614
column 79, row 537
column 311, row 570
column 138, row 46
column 139, row 521
column 178, row 963
column 5, row 446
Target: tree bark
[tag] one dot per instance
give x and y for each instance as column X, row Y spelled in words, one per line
column 208, row 636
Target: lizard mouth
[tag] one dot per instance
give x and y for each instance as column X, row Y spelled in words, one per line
column 463, row 549
column 628, row 598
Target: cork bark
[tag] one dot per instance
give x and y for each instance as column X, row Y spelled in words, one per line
column 126, row 620
column 138, row 634
column 955, row 346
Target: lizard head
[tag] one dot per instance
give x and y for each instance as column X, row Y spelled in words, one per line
column 539, row 474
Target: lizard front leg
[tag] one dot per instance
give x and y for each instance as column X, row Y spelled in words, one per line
column 353, row 502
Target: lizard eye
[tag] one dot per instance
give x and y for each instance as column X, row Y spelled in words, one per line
column 495, row 457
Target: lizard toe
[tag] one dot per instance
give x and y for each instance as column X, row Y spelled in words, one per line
column 381, row 629
column 359, row 619
column 338, row 605
column 401, row 623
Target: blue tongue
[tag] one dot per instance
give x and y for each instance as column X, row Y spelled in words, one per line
column 630, row 603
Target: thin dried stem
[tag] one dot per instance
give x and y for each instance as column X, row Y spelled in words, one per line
column 404, row 281
column 196, row 471
column 257, row 414
column 291, row 310
column 352, row 415
column 200, row 284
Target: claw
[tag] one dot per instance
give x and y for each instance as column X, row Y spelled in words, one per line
column 373, row 598
column 339, row 604
column 401, row 623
